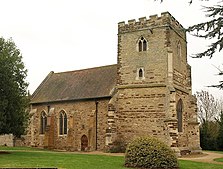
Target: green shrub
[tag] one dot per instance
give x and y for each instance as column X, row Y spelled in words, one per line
column 150, row 153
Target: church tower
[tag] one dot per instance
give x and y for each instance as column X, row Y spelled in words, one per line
column 153, row 85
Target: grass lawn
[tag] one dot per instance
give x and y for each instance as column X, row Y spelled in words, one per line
column 31, row 157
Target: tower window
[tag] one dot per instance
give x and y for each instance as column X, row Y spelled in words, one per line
column 142, row 44
column 63, row 123
column 43, row 123
column 179, row 50
column 140, row 74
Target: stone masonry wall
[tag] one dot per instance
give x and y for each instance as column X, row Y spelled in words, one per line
column 81, row 121
column 152, row 61
column 7, row 140
column 190, row 137
column 142, row 112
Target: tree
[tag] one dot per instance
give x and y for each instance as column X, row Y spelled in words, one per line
column 13, row 90
column 209, row 110
column 211, row 29
column 220, row 133
column 208, row 106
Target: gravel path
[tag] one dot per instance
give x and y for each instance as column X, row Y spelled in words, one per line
column 206, row 157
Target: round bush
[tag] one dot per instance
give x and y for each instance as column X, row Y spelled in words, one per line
column 150, row 153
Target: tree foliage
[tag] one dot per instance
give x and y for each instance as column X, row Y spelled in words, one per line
column 220, row 132
column 211, row 29
column 211, row 118
column 13, row 89
column 209, row 133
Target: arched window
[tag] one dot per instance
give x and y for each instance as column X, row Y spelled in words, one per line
column 62, row 123
column 65, row 123
column 180, row 115
column 142, row 44
column 140, row 73
column 43, row 122
column 179, row 49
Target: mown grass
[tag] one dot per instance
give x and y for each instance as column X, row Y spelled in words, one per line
column 31, row 157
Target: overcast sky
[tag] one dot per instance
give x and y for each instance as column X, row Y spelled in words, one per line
column 63, row 35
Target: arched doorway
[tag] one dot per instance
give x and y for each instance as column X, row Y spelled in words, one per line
column 84, row 143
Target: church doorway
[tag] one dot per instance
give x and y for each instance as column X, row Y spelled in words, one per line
column 84, row 143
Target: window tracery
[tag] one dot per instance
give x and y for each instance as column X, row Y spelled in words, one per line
column 62, row 123
column 142, row 44
column 43, row 122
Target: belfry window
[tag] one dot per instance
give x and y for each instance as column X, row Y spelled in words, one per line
column 180, row 115
column 142, row 44
column 43, row 123
column 62, row 123
column 179, row 49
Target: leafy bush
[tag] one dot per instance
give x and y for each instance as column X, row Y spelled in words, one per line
column 150, row 153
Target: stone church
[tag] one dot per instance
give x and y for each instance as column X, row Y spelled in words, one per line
column 147, row 93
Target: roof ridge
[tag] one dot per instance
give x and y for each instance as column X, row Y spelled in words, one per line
column 86, row 69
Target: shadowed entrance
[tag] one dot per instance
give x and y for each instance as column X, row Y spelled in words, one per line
column 84, row 143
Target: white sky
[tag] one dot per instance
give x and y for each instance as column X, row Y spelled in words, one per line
column 63, row 35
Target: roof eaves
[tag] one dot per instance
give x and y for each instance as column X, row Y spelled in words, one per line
column 69, row 100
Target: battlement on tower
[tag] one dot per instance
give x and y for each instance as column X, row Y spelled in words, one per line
column 154, row 21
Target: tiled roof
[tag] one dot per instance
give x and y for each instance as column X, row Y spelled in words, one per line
column 75, row 85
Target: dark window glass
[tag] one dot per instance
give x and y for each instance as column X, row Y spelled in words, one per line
column 61, row 124
column 43, row 123
column 179, row 115
column 144, row 45
column 140, row 46
column 140, row 73
column 65, row 123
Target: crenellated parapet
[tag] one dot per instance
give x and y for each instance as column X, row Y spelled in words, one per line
column 154, row 21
